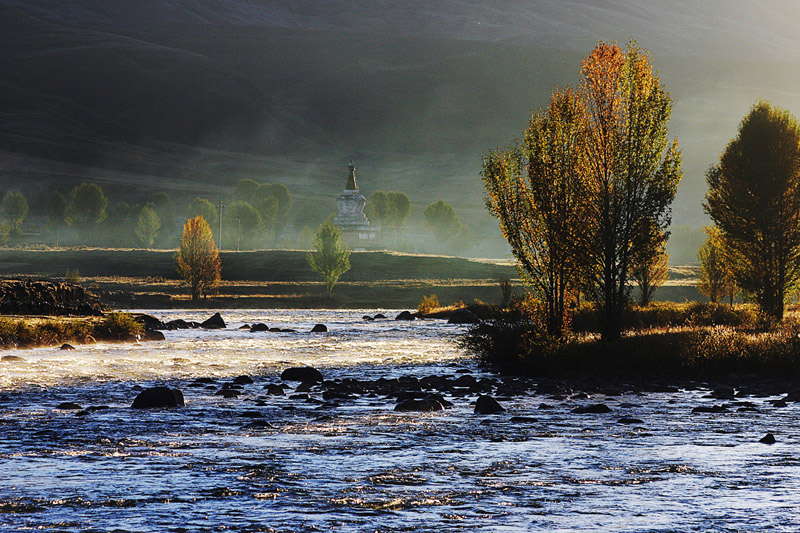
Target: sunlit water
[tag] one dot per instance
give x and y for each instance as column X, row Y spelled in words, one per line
column 355, row 464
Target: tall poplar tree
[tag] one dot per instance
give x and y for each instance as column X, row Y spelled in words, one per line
column 534, row 191
column 632, row 169
column 197, row 260
column 754, row 199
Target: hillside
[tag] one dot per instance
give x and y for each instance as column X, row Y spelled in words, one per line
column 192, row 95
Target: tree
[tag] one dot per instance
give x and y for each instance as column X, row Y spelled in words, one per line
column 87, row 206
column 245, row 189
column 716, row 276
column 650, row 270
column 534, row 191
column 147, row 226
column 442, row 221
column 284, row 203
column 754, row 199
column 13, row 210
column 399, row 211
column 197, row 259
column 377, row 208
column 330, row 258
column 243, row 222
column 204, row 208
column 631, row 169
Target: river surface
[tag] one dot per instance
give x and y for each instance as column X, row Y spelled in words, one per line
column 354, row 464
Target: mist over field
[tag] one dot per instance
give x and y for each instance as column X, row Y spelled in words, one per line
column 191, row 96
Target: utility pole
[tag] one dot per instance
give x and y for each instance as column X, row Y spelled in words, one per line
column 220, row 207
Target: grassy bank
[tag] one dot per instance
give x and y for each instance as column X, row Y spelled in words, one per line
column 694, row 341
column 29, row 332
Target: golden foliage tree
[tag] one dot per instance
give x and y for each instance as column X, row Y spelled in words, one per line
column 601, row 170
column 632, row 169
column 716, row 275
column 650, row 271
column 534, row 191
column 198, row 260
column 754, row 199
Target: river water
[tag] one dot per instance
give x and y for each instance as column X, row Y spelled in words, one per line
column 354, row 464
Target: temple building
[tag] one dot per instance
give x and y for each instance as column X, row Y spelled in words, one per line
column 351, row 220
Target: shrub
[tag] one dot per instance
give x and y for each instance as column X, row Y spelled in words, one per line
column 428, row 304
column 72, row 276
column 118, row 326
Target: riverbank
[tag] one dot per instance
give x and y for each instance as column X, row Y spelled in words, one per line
column 146, row 279
column 39, row 331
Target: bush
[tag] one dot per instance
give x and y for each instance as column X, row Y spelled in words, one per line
column 428, row 304
column 118, row 326
column 72, row 276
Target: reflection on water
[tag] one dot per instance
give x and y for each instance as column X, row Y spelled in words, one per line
column 263, row 462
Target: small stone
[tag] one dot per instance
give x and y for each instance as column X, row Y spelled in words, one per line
column 69, row 406
column 597, row 408
column 405, row 315
column 379, row 316
column 769, row 438
column 424, row 405
column 11, row 359
column 259, row 327
column 628, row 420
column 522, row 419
column 158, row 397
column 66, row 346
column 486, row 405
column 319, row 328
column 301, row 373
column 243, row 380
column 244, row 326
column 214, row 322
column 367, row 318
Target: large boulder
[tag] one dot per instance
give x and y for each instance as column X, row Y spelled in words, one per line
column 215, row 322
column 158, row 397
column 319, row 328
column 302, row 373
column 405, row 315
column 486, row 405
column 178, row 323
column 259, row 327
column 463, row 316
column 148, row 321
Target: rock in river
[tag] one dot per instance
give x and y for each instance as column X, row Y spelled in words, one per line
column 259, row 327
column 215, row 322
column 158, row 397
column 593, row 409
column 427, row 404
column 486, row 405
column 463, row 316
column 319, row 328
column 405, row 315
column 769, row 438
column 66, row 346
column 301, row 373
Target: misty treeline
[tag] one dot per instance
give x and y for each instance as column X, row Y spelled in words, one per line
column 254, row 216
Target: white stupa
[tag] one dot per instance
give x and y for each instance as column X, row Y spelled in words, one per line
column 351, row 219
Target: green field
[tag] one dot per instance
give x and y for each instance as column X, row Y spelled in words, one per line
column 283, row 279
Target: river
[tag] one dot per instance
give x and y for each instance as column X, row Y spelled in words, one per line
column 353, row 463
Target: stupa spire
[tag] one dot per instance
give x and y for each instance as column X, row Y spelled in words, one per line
column 351, row 178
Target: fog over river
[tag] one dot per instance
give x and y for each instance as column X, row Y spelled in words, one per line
column 338, row 457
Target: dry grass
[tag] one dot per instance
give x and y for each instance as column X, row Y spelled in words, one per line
column 49, row 331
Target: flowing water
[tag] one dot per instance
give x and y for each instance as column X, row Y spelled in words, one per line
column 354, row 464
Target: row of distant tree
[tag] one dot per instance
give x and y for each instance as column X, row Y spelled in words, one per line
column 255, row 215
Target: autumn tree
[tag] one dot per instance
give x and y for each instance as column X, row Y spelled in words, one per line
column 631, row 169
column 147, row 225
column 87, row 206
column 716, row 275
column 650, row 270
column 754, row 200
column 13, row 211
column 534, row 190
column 197, row 259
column 330, row 258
